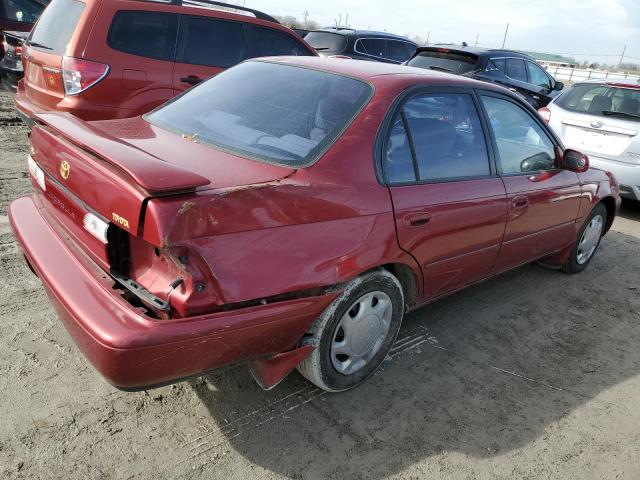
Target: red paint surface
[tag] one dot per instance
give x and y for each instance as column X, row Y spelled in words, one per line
column 246, row 231
column 134, row 84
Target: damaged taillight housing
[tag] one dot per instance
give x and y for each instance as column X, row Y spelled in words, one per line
column 79, row 75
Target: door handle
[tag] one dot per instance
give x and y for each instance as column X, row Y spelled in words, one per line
column 520, row 202
column 416, row 219
column 192, row 79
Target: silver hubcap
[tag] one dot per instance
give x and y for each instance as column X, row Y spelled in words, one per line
column 361, row 332
column 589, row 241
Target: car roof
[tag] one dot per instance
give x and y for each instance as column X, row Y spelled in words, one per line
column 478, row 51
column 611, row 81
column 363, row 33
column 371, row 71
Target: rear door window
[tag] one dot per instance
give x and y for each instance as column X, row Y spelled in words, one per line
column 210, row 42
column 146, row 34
column 56, row 26
column 446, row 136
column 271, row 42
column 24, row 11
column 516, row 69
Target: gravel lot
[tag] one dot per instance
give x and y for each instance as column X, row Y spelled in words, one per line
column 531, row 375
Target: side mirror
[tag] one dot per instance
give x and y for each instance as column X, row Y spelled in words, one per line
column 575, row 161
column 558, row 86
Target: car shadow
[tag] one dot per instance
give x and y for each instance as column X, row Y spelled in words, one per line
column 483, row 372
column 630, row 210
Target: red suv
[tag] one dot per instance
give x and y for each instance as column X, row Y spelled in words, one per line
column 103, row 59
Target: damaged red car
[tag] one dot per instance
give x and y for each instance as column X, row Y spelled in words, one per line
column 288, row 212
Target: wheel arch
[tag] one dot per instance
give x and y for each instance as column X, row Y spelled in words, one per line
column 610, row 204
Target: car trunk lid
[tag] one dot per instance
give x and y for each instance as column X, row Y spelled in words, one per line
column 602, row 136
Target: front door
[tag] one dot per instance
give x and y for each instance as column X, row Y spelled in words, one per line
column 450, row 207
column 543, row 200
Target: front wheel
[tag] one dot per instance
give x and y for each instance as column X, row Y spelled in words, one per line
column 354, row 334
column 587, row 241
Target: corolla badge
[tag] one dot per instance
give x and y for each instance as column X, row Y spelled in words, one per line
column 65, row 169
column 597, row 124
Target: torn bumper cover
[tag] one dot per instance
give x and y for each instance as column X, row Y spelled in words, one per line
column 130, row 349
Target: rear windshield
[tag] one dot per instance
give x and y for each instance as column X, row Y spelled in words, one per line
column 602, row 100
column 326, row 41
column 274, row 113
column 56, row 26
column 444, row 62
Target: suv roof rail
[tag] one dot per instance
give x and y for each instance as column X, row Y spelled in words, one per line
column 204, row 3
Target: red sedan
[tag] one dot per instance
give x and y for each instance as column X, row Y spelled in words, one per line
column 290, row 211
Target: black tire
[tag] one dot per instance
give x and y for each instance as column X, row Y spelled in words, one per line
column 319, row 367
column 573, row 264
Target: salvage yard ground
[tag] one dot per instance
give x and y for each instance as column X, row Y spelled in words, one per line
column 534, row 374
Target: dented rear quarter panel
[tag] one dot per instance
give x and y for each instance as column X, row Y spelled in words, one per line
column 318, row 226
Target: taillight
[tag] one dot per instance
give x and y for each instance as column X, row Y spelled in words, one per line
column 19, row 51
column 78, row 75
column 545, row 113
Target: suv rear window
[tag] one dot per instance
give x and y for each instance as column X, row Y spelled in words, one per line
column 602, row 100
column 266, row 111
column 56, row 26
column 326, row 41
column 147, row 34
column 444, row 61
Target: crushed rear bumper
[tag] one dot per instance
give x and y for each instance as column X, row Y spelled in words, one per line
column 134, row 351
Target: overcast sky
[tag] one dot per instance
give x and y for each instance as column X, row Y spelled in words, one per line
column 598, row 28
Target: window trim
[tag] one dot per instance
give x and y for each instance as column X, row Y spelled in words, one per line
column 384, row 131
column 528, row 109
column 355, row 48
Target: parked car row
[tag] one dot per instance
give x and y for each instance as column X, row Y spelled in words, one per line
column 290, row 210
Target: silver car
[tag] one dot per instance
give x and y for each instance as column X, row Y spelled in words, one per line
column 602, row 119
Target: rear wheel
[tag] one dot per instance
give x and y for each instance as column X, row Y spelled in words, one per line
column 354, row 334
column 588, row 240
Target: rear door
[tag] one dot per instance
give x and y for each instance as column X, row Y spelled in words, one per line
column 449, row 205
column 206, row 47
column 543, row 200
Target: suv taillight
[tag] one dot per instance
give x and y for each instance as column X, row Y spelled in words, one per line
column 545, row 113
column 78, row 75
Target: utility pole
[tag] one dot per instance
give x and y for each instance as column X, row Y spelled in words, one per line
column 504, row 40
column 305, row 14
column 622, row 56
column 428, row 35
column 477, row 38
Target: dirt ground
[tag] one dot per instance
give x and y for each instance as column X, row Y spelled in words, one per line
column 535, row 374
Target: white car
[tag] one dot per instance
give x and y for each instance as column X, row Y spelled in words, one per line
column 602, row 119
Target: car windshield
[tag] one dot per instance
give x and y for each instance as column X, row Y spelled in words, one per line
column 326, row 41
column 444, row 61
column 269, row 112
column 603, row 100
